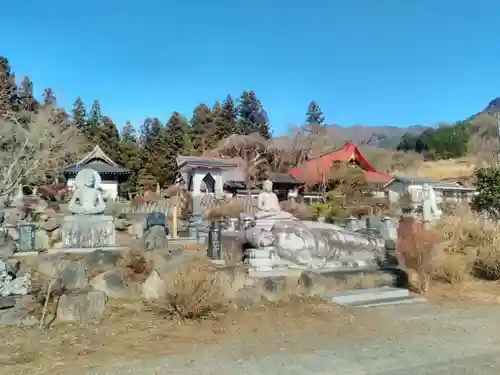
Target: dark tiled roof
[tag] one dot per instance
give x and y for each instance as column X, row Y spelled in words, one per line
column 284, row 178
column 206, row 161
column 433, row 183
column 99, row 167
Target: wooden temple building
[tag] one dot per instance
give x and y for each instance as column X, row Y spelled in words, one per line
column 110, row 172
column 315, row 171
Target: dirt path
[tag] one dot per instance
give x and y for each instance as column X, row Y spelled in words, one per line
column 410, row 340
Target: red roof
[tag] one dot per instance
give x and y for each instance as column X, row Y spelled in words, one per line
column 314, row 170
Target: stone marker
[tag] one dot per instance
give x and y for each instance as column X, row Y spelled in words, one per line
column 85, row 307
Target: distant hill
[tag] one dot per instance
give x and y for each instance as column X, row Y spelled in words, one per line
column 492, row 107
column 378, row 136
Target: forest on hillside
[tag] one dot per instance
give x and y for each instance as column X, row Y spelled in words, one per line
column 232, row 127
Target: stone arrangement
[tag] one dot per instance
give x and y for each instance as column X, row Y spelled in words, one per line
column 280, row 240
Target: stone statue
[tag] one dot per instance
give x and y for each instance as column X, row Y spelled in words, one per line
column 267, row 201
column 87, row 199
column 430, row 210
column 280, row 239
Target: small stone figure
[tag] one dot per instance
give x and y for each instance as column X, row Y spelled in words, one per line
column 87, row 199
column 267, row 201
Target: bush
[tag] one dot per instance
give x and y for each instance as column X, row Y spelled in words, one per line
column 226, row 209
column 301, row 211
column 418, row 248
column 195, row 292
column 473, row 240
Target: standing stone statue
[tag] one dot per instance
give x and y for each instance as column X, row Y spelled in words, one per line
column 87, row 199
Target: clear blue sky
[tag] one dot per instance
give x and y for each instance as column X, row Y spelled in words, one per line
column 371, row 62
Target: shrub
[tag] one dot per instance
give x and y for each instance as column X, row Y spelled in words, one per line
column 136, row 265
column 475, row 241
column 301, row 211
column 195, row 292
column 226, row 209
column 418, row 248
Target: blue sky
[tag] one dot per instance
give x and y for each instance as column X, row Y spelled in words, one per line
column 371, row 62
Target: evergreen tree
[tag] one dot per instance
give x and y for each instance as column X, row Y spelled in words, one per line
column 80, row 115
column 128, row 133
column 49, row 98
column 225, row 119
column 25, row 93
column 145, row 132
column 202, row 128
column 130, row 157
column 94, row 120
column 314, row 114
column 175, row 139
column 252, row 116
column 108, row 139
column 9, row 100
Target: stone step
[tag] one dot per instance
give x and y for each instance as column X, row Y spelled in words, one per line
column 390, row 302
column 364, row 296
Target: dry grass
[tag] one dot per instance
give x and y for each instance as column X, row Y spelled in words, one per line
column 195, row 292
column 419, row 250
column 455, row 169
column 301, row 211
column 128, row 333
column 226, row 209
column 136, row 265
column 461, row 247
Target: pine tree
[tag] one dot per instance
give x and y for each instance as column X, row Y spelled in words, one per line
column 175, row 141
column 94, row 121
column 145, row 132
column 252, row 116
column 49, row 98
column 25, row 94
column 108, row 138
column 128, row 133
column 202, row 128
column 225, row 119
column 314, row 118
column 79, row 114
column 9, row 100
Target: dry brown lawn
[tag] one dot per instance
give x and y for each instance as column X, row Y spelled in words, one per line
column 457, row 169
column 131, row 332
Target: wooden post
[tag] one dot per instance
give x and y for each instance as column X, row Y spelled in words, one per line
column 174, row 221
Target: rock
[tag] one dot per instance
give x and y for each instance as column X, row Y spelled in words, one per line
column 247, row 297
column 102, row 259
column 42, row 240
column 8, row 247
column 232, row 280
column 7, row 302
column 85, row 307
column 153, row 287
column 112, row 282
column 74, row 276
column 48, row 265
column 273, row 288
column 155, row 238
column 313, row 283
column 17, row 318
column 166, row 263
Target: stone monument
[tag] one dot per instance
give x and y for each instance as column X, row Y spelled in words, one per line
column 280, row 240
column 88, row 227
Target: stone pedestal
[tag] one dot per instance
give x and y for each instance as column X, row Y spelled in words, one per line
column 87, row 231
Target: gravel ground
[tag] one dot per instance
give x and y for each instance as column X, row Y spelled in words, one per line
column 423, row 339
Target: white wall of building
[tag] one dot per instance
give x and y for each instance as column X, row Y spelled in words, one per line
column 110, row 188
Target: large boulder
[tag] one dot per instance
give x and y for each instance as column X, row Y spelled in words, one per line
column 85, row 307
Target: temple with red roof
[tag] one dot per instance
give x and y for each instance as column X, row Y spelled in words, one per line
column 315, row 170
